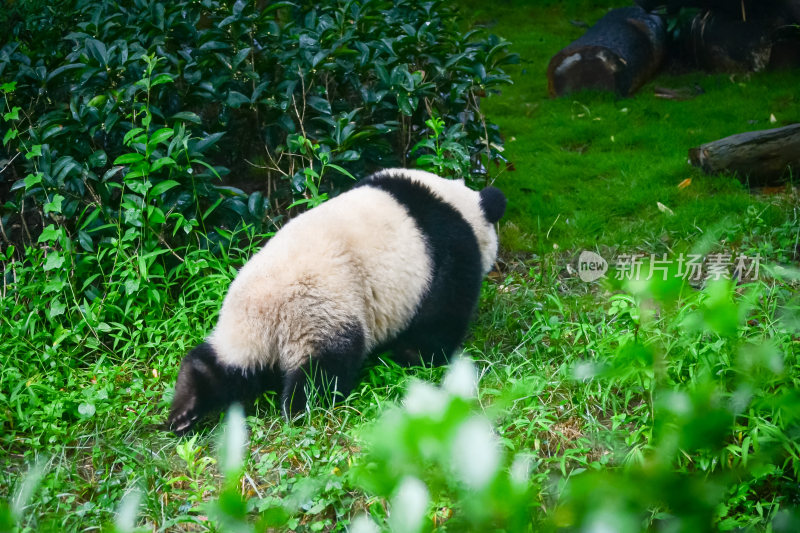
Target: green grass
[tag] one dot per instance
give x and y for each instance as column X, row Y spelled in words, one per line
column 584, row 379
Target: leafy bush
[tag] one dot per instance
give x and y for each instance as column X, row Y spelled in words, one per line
column 720, row 405
column 238, row 84
column 119, row 118
column 721, row 396
column 438, row 461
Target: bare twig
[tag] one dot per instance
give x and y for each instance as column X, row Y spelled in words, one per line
column 164, row 242
column 9, row 163
column 22, row 220
column 252, row 484
column 405, row 138
column 95, row 196
column 3, row 232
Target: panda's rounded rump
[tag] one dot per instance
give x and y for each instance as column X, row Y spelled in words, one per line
column 357, row 258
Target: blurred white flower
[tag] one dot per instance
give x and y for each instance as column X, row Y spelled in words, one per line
column 363, row 524
column 408, row 506
column 584, row 371
column 234, row 440
column 521, row 469
column 476, row 452
column 425, row 399
column 128, row 511
column 461, row 379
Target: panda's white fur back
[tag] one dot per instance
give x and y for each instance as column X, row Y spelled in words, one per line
column 359, row 256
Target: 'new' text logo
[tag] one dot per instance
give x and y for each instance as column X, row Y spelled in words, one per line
column 591, row 266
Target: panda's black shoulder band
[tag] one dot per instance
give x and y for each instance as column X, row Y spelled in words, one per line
column 441, row 223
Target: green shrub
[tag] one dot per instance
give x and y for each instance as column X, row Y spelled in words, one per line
column 119, row 118
column 237, row 84
column 438, row 461
column 721, row 396
column 713, row 446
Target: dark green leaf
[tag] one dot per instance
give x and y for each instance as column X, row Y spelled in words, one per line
column 63, row 68
column 98, row 159
column 97, row 50
column 187, row 116
column 320, row 104
column 85, row 240
column 163, row 187
column 127, row 159
column 213, row 45
column 198, row 147
column 256, row 204
column 236, row 99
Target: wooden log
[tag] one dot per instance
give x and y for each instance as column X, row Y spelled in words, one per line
column 741, row 8
column 723, row 43
column 785, row 53
column 750, row 39
column 765, row 157
column 619, row 53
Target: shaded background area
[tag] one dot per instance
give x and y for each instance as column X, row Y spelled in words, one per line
column 589, row 167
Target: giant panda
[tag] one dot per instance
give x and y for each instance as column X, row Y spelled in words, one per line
column 395, row 264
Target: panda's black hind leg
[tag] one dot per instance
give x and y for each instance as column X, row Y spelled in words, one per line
column 441, row 323
column 328, row 375
column 430, row 342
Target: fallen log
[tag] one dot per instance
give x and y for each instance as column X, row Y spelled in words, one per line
column 765, row 157
column 619, row 53
column 719, row 42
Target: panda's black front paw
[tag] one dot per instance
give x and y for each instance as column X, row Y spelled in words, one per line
column 181, row 423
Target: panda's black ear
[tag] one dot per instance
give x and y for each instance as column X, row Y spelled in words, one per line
column 493, row 203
